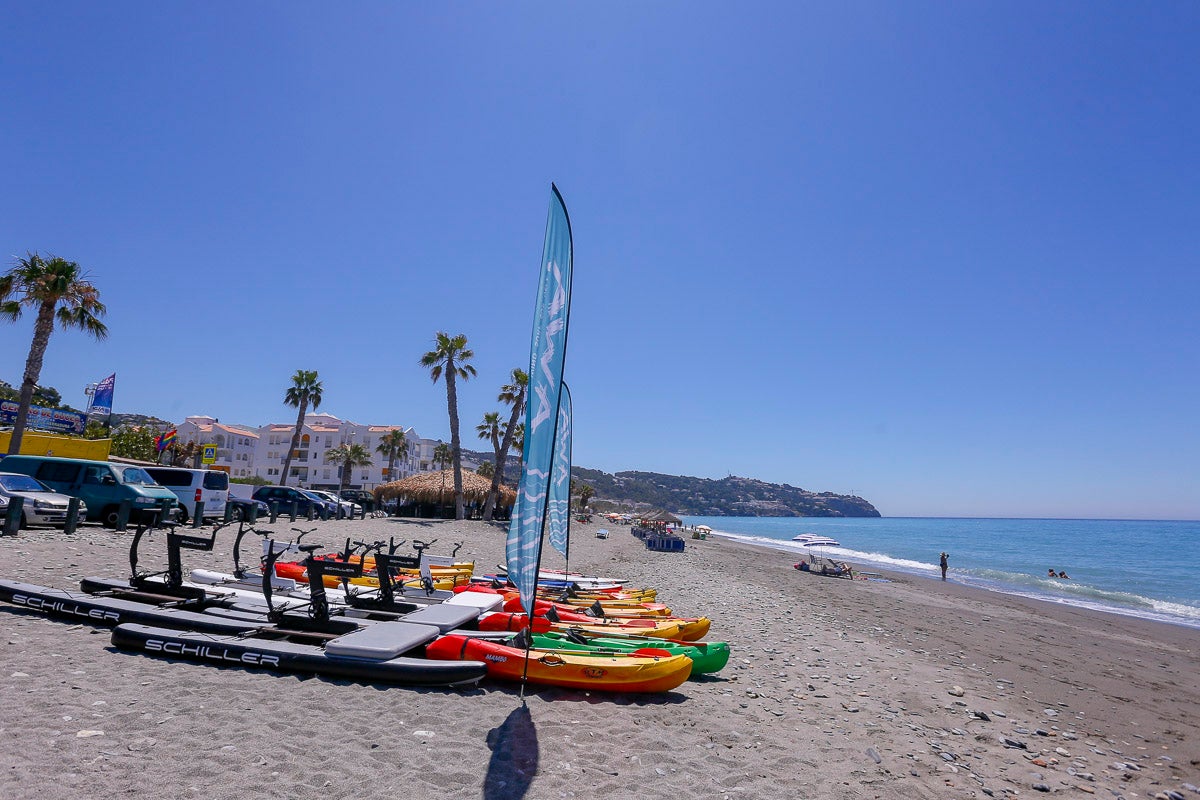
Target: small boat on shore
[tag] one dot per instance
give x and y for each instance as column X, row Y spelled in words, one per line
column 815, row 540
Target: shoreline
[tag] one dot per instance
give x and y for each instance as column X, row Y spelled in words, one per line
column 1117, row 601
column 836, row 688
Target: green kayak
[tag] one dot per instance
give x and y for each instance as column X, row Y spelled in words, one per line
column 707, row 657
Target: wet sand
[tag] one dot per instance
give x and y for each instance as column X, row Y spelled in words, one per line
column 836, row 688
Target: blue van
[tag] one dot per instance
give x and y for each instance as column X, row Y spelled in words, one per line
column 102, row 485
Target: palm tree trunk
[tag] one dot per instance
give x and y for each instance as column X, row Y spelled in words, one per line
column 498, row 477
column 455, row 452
column 42, row 329
column 287, row 460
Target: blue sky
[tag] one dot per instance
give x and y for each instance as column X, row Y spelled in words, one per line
column 941, row 255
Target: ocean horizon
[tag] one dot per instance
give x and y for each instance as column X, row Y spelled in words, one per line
column 1138, row 568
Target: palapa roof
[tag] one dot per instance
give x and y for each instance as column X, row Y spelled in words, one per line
column 659, row 516
column 428, row 487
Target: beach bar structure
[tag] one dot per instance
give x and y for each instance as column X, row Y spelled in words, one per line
column 431, row 494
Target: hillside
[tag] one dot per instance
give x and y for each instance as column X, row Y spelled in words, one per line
column 702, row 497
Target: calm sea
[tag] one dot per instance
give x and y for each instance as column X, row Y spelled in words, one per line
column 1139, row 568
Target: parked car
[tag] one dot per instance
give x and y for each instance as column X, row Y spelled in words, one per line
column 345, row 508
column 284, row 496
column 191, row 486
column 360, row 496
column 241, row 508
column 101, row 485
column 331, row 506
column 40, row 504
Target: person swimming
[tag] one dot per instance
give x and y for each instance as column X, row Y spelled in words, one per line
column 1063, row 574
column 1051, row 574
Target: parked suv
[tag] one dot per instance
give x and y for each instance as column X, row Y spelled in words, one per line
column 191, row 486
column 101, row 485
column 40, row 505
column 285, row 495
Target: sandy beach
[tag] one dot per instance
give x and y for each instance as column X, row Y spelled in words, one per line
column 903, row 689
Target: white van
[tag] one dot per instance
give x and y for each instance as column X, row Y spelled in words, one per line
column 191, row 486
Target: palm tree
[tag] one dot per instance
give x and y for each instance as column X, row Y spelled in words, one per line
column 489, row 429
column 349, row 456
column 586, row 493
column 486, row 469
column 393, row 445
column 59, row 290
column 441, row 455
column 305, row 390
column 512, row 393
column 450, row 357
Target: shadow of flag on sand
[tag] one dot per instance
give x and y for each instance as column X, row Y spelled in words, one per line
column 514, row 759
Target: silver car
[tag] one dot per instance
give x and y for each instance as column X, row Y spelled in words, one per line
column 41, row 505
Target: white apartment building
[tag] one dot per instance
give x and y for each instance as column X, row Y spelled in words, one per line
column 243, row 452
column 322, row 433
column 235, row 445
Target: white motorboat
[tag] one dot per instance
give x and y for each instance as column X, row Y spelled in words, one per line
column 815, row 540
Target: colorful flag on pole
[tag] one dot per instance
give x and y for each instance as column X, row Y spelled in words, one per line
column 102, row 398
column 164, row 439
column 523, row 549
column 559, row 525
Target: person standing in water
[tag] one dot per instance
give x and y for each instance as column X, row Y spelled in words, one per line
column 944, row 564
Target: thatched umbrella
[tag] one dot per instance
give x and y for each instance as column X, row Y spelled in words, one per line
column 430, row 487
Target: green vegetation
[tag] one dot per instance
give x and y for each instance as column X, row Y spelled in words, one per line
column 512, row 394
column 253, row 480
column 394, row 445
column 348, row 456
column 135, row 442
column 729, row 497
column 451, row 357
column 304, row 391
column 59, row 292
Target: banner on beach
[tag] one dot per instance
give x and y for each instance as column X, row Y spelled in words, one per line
column 102, row 398
column 523, row 548
column 44, row 419
column 558, row 528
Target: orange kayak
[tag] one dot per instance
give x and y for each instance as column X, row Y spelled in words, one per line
column 645, row 670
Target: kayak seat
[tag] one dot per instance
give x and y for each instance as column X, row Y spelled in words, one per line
column 444, row 616
column 381, row 641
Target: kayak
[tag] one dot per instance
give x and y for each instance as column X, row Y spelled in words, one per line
column 289, row 588
column 707, row 657
column 552, row 576
column 690, row 628
column 513, row 603
column 505, row 621
column 296, row 571
column 653, row 671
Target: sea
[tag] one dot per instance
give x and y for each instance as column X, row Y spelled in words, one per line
column 1137, row 568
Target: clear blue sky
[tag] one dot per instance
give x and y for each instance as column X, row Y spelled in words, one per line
column 942, row 255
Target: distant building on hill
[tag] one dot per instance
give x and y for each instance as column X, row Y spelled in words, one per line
column 244, row 451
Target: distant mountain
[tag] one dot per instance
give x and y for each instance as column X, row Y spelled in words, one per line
column 701, row 497
column 138, row 420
